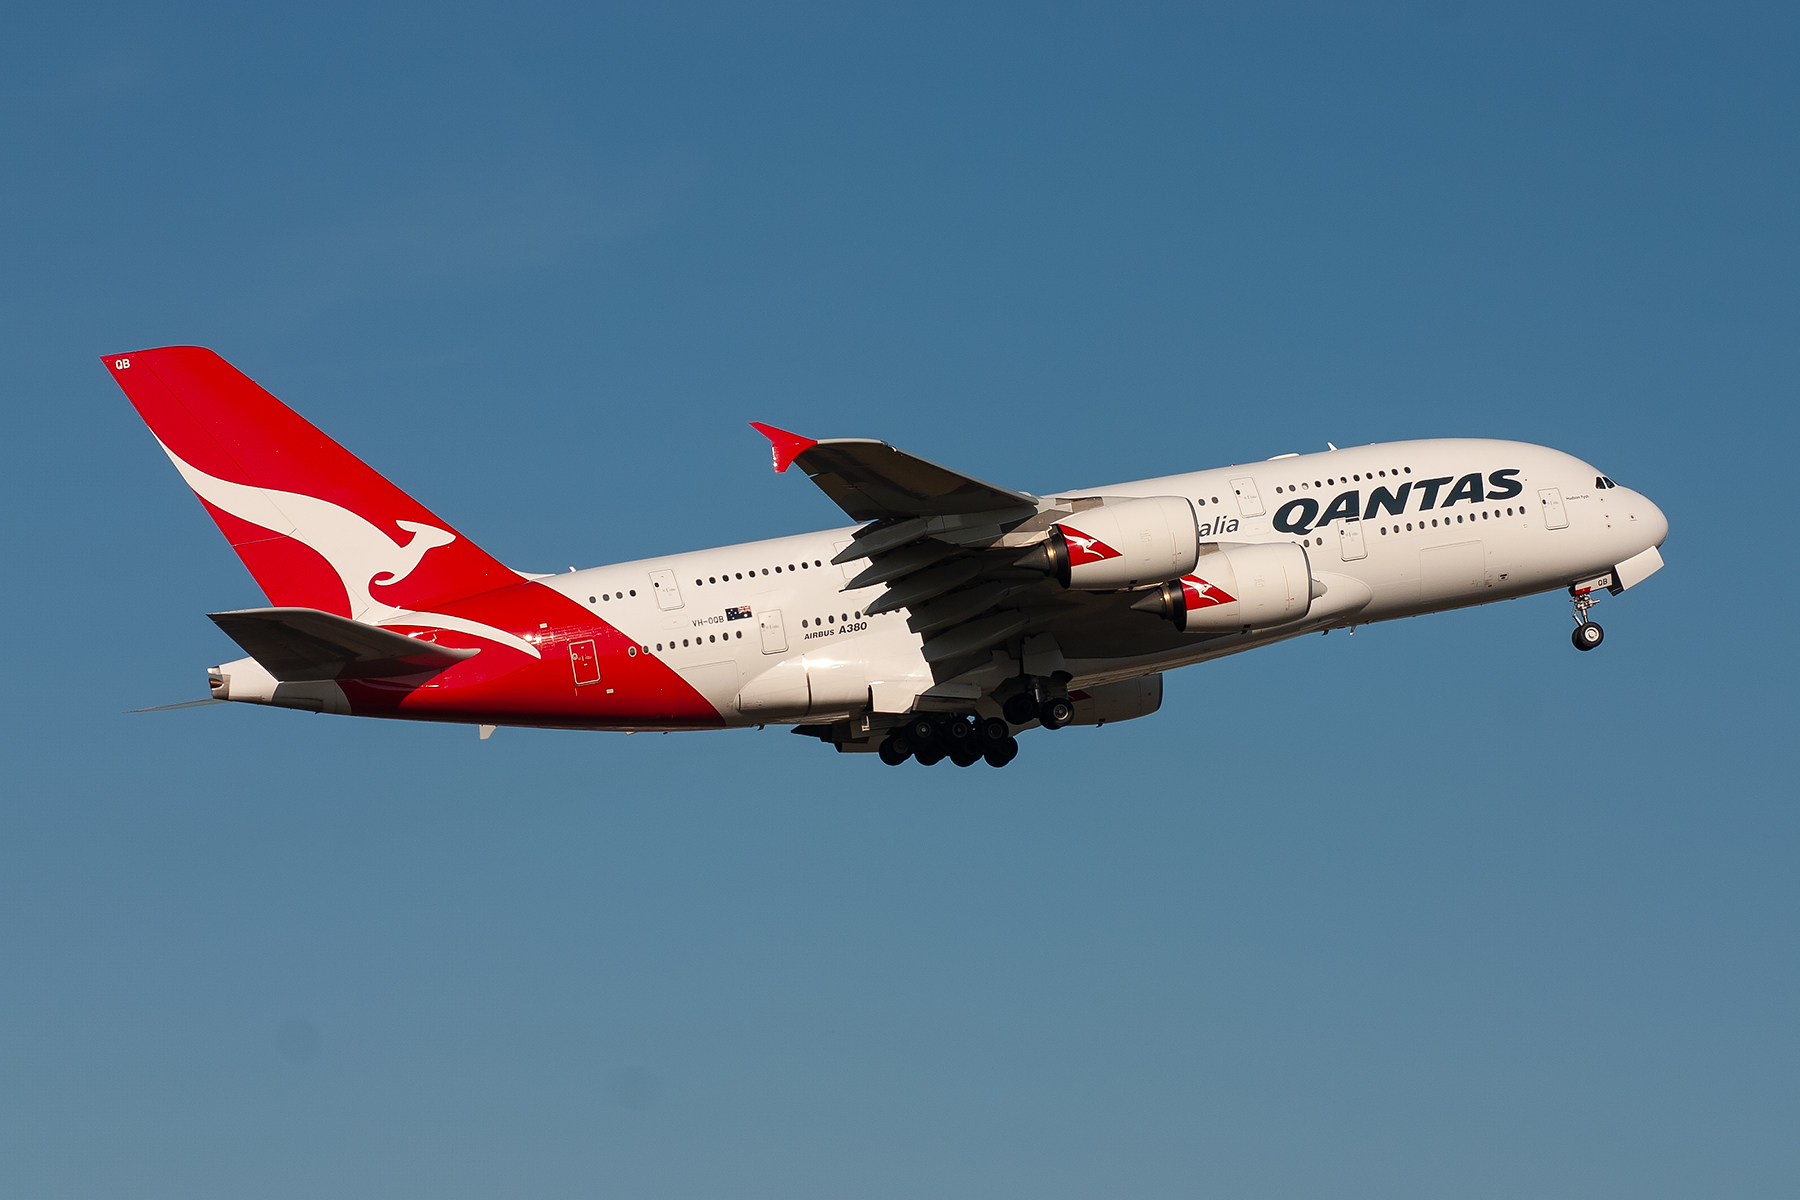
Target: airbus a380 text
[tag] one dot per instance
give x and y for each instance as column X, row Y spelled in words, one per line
column 953, row 616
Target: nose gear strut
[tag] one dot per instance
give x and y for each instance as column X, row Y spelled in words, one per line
column 1587, row 634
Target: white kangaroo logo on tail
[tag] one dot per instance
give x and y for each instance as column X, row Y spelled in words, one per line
column 363, row 556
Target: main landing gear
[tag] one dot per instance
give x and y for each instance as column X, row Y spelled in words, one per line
column 964, row 741
column 1052, row 713
column 1587, row 634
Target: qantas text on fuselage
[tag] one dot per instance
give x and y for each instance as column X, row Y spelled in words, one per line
column 953, row 616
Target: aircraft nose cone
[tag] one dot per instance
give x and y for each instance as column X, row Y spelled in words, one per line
column 1658, row 524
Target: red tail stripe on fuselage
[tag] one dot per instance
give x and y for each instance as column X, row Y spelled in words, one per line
column 636, row 690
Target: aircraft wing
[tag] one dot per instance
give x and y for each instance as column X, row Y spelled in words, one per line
column 872, row 481
column 301, row 644
column 947, row 545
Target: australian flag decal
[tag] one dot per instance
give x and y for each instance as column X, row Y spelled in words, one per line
column 741, row 613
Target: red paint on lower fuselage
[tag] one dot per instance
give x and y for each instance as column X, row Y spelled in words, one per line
column 505, row 685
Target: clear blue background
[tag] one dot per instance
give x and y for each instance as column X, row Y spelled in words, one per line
column 1441, row 909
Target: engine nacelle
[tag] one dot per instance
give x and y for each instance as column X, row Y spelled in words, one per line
column 1236, row 587
column 1123, row 545
column 1105, row 703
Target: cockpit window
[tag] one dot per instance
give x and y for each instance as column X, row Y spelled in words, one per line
column 1602, row 482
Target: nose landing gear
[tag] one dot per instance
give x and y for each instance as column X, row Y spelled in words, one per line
column 1587, row 635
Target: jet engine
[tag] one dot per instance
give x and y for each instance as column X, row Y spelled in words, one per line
column 1235, row 587
column 1123, row 545
column 1125, row 700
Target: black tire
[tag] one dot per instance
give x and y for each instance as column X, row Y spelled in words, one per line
column 960, row 731
column 929, row 756
column 995, row 730
column 1587, row 635
column 895, row 750
column 998, row 754
column 922, row 731
column 966, row 753
column 1055, row 713
column 1020, row 709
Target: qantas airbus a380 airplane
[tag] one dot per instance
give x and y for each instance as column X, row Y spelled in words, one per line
column 955, row 616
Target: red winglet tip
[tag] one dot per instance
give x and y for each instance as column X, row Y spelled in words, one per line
column 785, row 446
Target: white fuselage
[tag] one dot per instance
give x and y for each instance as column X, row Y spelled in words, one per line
column 1423, row 538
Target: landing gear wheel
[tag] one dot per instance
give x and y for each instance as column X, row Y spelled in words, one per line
column 995, row 730
column 966, row 753
column 895, row 750
column 1055, row 713
column 929, row 756
column 998, row 754
column 923, row 731
column 1020, row 709
column 960, row 731
column 1587, row 635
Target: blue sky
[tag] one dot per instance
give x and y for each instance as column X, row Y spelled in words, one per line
column 1443, row 908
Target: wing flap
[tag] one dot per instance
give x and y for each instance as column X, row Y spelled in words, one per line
column 298, row 645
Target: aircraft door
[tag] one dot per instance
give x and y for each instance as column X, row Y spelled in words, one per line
column 1249, row 499
column 774, row 637
column 1350, row 540
column 586, row 662
column 667, row 594
column 1551, row 501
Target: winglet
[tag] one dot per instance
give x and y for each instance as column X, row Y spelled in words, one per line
column 785, row 446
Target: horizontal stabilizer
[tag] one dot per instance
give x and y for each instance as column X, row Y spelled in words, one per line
column 298, row 645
